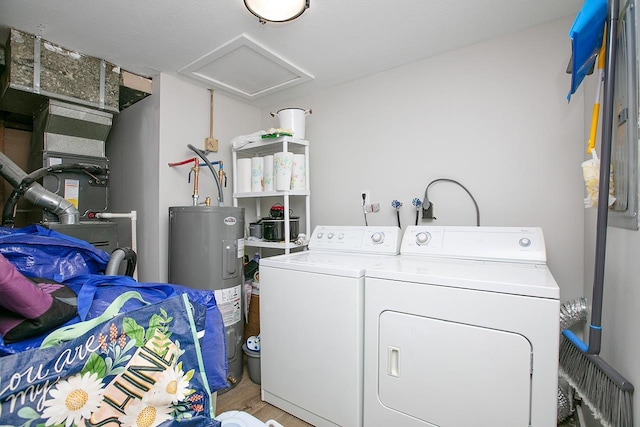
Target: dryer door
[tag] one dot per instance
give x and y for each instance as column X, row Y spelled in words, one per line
column 450, row 374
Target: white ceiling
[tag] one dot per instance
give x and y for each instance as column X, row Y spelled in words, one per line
column 334, row 41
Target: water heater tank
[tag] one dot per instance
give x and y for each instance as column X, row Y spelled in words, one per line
column 206, row 247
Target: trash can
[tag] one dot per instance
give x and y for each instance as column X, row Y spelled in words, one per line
column 253, row 363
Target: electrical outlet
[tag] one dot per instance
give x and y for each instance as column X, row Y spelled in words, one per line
column 428, row 212
column 365, row 199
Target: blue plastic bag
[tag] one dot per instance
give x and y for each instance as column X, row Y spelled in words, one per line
column 143, row 363
column 96, row 292
column 40, row 252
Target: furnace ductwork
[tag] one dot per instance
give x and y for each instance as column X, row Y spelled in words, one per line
column 68, row 156
column 37, row 194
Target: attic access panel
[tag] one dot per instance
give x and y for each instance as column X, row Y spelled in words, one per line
column 245, row 68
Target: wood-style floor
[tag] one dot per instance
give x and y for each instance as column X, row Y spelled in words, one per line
column 246, row 397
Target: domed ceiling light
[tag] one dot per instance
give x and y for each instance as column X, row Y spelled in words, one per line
column 276, row 10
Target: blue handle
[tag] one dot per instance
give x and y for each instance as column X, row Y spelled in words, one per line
column 582, row 346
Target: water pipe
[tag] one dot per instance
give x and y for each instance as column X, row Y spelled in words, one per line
column 222, row 175
column 196, row 172
column 417, row 203
column 202, row 155
column 133, row 216
column 184, row 162
column 397, row 205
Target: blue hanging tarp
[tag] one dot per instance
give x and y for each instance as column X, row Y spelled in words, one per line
column 586, row 39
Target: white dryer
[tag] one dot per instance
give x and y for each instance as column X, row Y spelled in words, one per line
column 311, row 323
column 462, row 329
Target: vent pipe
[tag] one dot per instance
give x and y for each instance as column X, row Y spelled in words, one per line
column 37, row 194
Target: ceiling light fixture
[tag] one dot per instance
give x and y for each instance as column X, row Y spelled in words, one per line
column 276, row 10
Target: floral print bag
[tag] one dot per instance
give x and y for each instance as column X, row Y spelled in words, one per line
column 142, row 368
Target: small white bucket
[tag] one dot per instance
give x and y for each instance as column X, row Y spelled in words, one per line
column 243, row 419
column 292, row 119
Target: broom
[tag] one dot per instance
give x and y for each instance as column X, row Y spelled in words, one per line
column 591, row 167
column 605, row 391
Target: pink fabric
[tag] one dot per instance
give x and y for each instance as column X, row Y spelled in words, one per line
column 19, row 295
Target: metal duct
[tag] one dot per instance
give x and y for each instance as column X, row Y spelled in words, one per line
column 571, row 313
column 37, row 194
column 70, row 129
column 66, row 134
column 564, row 407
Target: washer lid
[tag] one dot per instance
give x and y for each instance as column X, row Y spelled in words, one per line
column 525, row 279
column 339, row 264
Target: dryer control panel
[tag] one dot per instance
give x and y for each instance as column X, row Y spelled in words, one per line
column 356, row 239
column 507, row 244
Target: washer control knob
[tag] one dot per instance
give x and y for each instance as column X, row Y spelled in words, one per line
column 330, row 235
column 377, row 237
column 423, row 237
column 524, row 242
column 340, row 236
column 320, row 235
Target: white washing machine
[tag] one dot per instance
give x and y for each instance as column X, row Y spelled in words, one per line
column 462, row 329
column 311, row 323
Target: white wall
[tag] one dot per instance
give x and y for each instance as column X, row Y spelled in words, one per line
column 156, row 131
column 620, row 346
column 493, row 116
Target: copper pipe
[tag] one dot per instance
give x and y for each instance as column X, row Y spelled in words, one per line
column 196, row 173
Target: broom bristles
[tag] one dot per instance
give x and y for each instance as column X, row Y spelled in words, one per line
column 605, row 392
